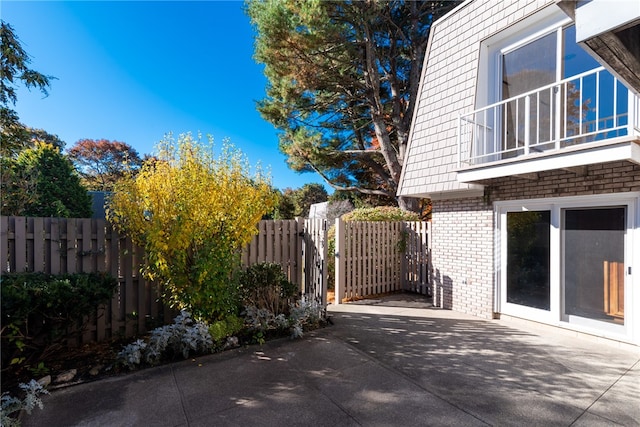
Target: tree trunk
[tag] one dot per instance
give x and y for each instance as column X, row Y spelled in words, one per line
column 409, row 204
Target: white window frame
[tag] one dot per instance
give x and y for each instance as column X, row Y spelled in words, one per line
column 492, row 48
column 630, row 331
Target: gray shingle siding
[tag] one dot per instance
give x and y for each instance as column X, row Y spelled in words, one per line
column 448, row 88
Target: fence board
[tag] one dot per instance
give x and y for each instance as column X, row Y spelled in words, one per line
column 295, row 264
column 129, row 291
column 38, row 244
column 86, row 253
column 4, row 244
column 275, row 241
column 54, row 246
column 70, row 253
column 29, row 245
column 20, row 241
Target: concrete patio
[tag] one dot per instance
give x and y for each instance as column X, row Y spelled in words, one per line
column 391, row 361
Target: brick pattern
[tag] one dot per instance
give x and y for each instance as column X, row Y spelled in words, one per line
column 462, row 255
column 463, row 229
column 448, row 88
column 604, row 178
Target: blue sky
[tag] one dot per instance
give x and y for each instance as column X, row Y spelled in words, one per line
column 134, row 71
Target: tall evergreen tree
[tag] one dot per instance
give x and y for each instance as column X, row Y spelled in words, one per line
column 14, row 68
column 42, row 182
column 342, row 84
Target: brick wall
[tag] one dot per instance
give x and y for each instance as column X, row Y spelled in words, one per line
column 463, row 229
column 613, row 177
column 462, row 255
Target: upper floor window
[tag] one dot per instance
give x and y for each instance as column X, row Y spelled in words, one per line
column 544, row 92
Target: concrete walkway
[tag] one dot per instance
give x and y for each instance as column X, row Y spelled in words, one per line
column 388, row 362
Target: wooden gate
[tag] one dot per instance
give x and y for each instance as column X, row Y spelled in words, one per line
column 374, row 258
column 314, row 258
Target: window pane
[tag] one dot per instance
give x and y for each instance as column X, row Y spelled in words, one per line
column 594, row 263
column 528, row 257
column 529, row 67
column 591, row 114
column 575, row 59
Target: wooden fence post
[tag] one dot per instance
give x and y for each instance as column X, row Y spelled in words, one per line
column 340, row 262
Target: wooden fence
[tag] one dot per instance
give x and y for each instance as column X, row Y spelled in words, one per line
column 371, row 258
column 68, row 245
column 379, row 257
column 278, row 241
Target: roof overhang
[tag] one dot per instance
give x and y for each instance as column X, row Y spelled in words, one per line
column 610, row 32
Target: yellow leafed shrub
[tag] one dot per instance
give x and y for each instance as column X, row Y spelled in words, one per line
column 193, row 211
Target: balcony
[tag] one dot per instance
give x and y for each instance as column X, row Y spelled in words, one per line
column 585, row 119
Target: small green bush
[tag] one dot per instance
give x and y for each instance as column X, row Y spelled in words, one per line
column 227, row 327
column 265, row 286
column 380, row 213
column 38, row 309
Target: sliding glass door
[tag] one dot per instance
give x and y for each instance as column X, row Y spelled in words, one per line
column 528, row 257
column 594, row 260
column 568, row 261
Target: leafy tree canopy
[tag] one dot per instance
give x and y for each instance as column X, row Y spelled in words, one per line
column 296, row 202
column 306, row 196
column 102, row 163
column 342, row 84
column 42, row 182
column 14, row 63
column 286, row 207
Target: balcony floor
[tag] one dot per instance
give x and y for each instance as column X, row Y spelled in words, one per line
column 624, row 148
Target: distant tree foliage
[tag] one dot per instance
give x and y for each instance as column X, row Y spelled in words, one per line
column 22, row 137
column 101, row 163
column 296, row 202
column 342, row 85
column 42, row 182
column 42, row 136
column 308, row 195
column 286, row 207
column 14, row 63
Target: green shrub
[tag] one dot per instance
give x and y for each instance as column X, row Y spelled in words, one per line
column 38, row 309
column 227, row 327
column 380, row 213
column 265, row 286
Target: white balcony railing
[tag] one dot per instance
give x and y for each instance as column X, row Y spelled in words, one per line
column 589, row 107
